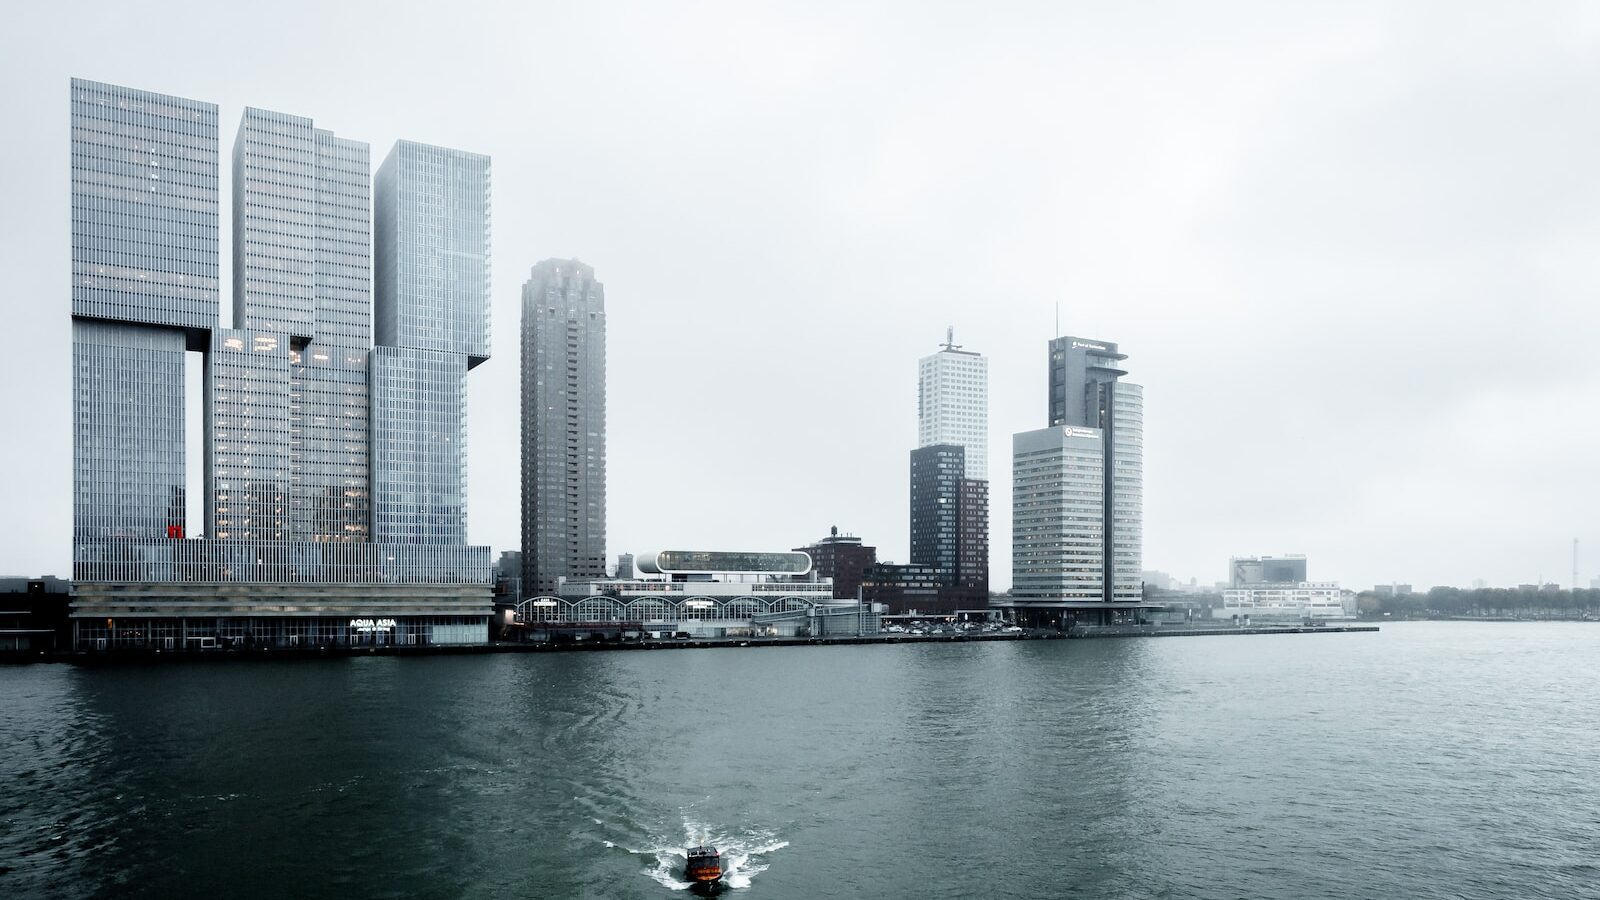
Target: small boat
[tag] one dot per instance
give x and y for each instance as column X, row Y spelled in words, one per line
column 704, row 865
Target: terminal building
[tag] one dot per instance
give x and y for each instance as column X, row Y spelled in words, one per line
column 1294, row 602
column 1267, row 589
column 334, row 478
column 700, row 594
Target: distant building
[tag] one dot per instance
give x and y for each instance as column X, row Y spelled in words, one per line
column 508, row 577
column 1397, row 590
column 563, row 425
column 1243, row 570
column 842, row 558
column 1287, row 602
column 1077, row 494
column 625, row 565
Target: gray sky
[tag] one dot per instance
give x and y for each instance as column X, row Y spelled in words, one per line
column 1350, row 249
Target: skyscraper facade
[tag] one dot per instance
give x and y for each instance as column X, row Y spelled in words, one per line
column 950, row 471
column 937, row 471
column 563, row 425
column 432, row 325
column 288, row 556
column 953, row 403
column 1077, row 493
column 144, row 290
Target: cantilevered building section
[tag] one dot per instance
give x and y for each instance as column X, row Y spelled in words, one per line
column 432, row 325
column 286, row 388
column 563, row 426
column 1077, row 493
column 289, row 557
column 144, row 289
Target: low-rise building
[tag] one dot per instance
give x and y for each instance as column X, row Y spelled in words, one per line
column 707, row 594
column 842, row 558
column 1305, row 600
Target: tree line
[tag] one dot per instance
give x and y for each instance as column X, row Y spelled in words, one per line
column 1483, row 602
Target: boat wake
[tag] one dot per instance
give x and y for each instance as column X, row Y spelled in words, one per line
column 743, row 854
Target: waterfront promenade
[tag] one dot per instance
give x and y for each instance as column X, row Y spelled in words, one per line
column 143, row 656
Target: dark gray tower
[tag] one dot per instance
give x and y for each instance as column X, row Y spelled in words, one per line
column 563, row 426
column 937, row 472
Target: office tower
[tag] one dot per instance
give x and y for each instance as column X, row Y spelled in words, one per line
column 950, row 470
column 625, row 566
column 287, row 415
column 972, row 540
column 563, row 425
column 936, row 476
column 953, row 403
column 288, row 558
column 144, row 290
column 431, row 322
column 1077, row 501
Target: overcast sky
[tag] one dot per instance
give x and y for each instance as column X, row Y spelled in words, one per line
column 1352, row 250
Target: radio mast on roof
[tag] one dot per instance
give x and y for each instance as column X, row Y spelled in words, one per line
column 950, row 339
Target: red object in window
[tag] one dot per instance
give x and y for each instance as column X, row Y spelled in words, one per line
column 174, row 531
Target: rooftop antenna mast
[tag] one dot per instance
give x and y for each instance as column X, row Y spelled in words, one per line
column 950, row 339
column 1574, row 563
column 1058, row 319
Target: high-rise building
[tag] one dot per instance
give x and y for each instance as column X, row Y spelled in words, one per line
column 563, row 425
column 286, row 387
column 972, row 540
column 144, row 290
column 950, row 471
column 1077, row 493
column 289, row 556
column 953, row 403
column 431, row 248
column 937, row 471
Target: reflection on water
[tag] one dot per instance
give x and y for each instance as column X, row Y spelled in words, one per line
column 1432, row 760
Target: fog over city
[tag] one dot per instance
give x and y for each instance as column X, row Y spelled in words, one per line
column 1350, row 250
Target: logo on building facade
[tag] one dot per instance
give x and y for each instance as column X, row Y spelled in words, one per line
column 368, row 626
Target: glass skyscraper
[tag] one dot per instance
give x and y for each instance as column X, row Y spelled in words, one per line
column 144, row 289
column 290, row 555
column 563, row 425
column 432, row 220
column 431, row 216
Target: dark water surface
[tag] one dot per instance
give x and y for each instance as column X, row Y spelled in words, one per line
column 1431, row 760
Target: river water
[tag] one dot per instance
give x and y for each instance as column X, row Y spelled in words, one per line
column 1430, row 760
